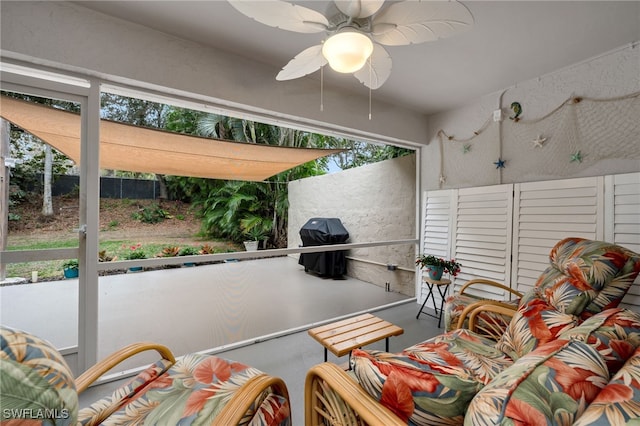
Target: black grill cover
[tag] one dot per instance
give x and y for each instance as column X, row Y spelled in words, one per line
column 324, row 231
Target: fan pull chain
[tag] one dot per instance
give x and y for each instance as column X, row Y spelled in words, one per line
column 321, row 88
column 370, row 78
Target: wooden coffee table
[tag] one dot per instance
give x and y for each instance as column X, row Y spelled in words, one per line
column 343, row 336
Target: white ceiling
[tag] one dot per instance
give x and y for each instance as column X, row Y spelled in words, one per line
column 511, row 42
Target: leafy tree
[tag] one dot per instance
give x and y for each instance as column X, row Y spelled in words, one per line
column 233, row 209
column 34, row 156
column 139, row 113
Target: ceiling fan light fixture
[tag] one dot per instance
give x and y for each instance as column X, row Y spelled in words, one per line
column 347, row 51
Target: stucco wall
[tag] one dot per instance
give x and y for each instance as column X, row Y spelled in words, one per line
column 606, row 133
column 375, row 203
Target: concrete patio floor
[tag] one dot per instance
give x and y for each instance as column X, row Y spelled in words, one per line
column 192, row 309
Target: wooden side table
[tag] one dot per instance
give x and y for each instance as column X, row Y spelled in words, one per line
column 442, row 285
column 343, row 336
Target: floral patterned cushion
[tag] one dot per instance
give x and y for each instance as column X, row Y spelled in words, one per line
column 619, row 402
column 100, row 410
column 453, row 307
column 194, row 391
column 615, row 333
column 535, row 323
column 36, row 384
column 432, row 382
column 587, row 277
column 488, row 324
column 550, row 386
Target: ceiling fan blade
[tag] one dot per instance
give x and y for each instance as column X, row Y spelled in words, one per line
column 281, row 14
column 380, row 70
column 415, row 21
column 359, row 8
column 305, row 62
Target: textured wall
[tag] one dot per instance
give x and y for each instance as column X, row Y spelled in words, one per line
column 375, row 203
column 607, row 134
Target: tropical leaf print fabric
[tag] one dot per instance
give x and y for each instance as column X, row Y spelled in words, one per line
column 193, row 392
column 615, row 333
column 433, row 382
column 100, row 410
column 36, row 384
column 589, row 277
column 550, row 386
column 488, row 324
column 555, row 356
column 619, row 402
column 535, row 323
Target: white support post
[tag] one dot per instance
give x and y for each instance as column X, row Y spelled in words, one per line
column 4, row 192
column 88, row 229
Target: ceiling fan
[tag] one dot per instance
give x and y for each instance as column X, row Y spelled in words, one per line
column 356, row 31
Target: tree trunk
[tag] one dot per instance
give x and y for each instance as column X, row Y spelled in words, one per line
column 47, row 202
column 164, row 194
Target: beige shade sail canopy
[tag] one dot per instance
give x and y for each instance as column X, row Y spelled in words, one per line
column 138, row 149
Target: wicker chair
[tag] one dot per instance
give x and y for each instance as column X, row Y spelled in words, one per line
column 458, row 309
column 37, row 384
column 434, row 382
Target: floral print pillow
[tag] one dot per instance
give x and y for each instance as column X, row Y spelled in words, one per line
column 615, row 333
column 416, row 393
column 617, row 403
column 36, row 384
column 550, row 386
column 535, row 323
column 587, row 277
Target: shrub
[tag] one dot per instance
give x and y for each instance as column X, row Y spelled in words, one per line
column 207, row 249
column 151, row 214
column 170, row 251
column 135, row 252
column 188, row 251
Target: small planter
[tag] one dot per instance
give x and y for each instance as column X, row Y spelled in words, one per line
column 251, row 245
column 70, row 272
column 189, row 264
column 435, row 272
column 135, row 269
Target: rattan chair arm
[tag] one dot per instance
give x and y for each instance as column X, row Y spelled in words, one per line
column 477, row 307
column 489, row 283
column 509, row 311
column 243, row 398
column 98, row 370
column 331, row 377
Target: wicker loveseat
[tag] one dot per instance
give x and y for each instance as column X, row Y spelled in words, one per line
column 564, row 349
column 37, row 387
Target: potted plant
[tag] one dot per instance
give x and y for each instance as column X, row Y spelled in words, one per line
column 436, row 266
column 256, row 234
column 70, row 268
column 188, row 251
column 135, row 252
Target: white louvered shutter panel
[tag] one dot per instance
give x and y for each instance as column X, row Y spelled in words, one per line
column 622, row 214
column 546, row 212
column 482, row 238
column 436, row 229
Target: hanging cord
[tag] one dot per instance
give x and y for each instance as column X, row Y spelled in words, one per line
column 441, row 141
column 322, row 88
column 370, row 78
